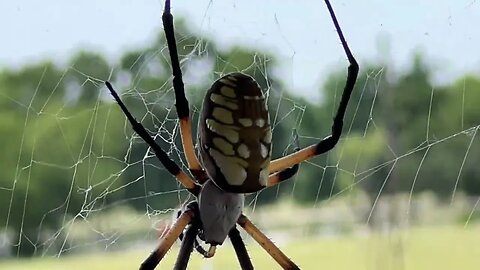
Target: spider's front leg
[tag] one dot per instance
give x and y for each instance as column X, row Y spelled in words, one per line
column 187, row 247
column 181, row 102
column 328, row 142
column 189, row 239
column 162, row 156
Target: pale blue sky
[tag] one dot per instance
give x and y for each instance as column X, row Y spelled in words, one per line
column 300, row 32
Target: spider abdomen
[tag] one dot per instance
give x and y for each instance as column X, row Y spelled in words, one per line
column 235, row 134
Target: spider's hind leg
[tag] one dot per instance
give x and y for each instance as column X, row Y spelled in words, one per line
column 267, row 244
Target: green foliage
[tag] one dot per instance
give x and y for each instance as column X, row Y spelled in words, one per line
column 89, row 70
column 69, row 151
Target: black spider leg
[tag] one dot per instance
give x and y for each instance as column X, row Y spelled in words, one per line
column 181, row 102
column 202, row 251
column 169, row 164
column 240, row 249
column 329, row 142
column 187, row 246
column 197, row 245
column 238, row 245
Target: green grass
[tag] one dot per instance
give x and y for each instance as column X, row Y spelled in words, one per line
column 424, row 248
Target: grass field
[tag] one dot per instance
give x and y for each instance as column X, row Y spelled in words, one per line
column 434, row 248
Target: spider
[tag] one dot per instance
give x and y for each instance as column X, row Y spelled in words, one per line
column 234, row 158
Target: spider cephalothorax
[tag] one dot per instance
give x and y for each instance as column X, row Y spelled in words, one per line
column 235, row 142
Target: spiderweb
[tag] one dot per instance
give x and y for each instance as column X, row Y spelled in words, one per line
column 79, row 180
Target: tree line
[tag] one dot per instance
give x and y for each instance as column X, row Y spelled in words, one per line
column 68, row 151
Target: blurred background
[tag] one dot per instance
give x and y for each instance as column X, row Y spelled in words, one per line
column 401, row 190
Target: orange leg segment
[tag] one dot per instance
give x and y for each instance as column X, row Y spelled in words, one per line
column 266, row 244
column 292, row 159
column 167, row 241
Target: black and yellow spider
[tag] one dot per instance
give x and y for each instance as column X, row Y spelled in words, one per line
column 235, row 142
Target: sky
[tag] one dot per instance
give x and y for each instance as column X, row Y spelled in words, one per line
column 299, row 32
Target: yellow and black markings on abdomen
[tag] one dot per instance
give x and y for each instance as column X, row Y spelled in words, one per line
column 235, row 134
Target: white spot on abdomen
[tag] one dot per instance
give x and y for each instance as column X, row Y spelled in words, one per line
column 260, row 122
column 263, row 177
column 223, row 101
column 268, row 136
column 226, row 131
column 223, row 145
column 246, row 122
column 263, row 150
column 222, row 115
column 243, row 151
column 231, row 167
column 228, row 81
column 228, row 92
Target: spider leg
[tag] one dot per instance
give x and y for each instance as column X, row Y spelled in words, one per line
column 282, row 175
column 181, row 103
column 187, row 247
column 200, row 250
column 330, row 141
column 167, row 241
column 266, row 244
column 240, row 249
column 287, row 173
column 169, row 164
